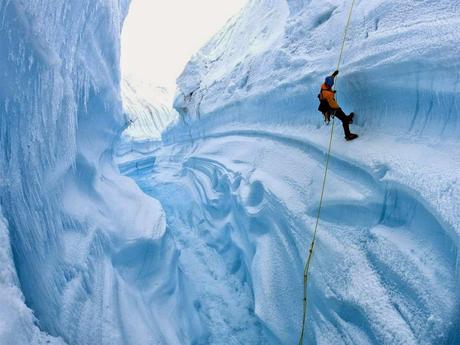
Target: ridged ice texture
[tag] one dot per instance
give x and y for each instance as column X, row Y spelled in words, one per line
column 400, row 68
column 400, row 75
column 148, row 107
column 17, row 324
column 386, row 268
column 238, row 179
column 71, row 217
column 241, row 206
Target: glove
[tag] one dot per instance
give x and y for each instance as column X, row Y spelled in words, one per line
column 335, row 73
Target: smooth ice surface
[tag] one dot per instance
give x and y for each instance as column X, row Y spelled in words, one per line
column 204, row 240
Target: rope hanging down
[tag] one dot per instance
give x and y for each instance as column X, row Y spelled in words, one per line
column 313, row 241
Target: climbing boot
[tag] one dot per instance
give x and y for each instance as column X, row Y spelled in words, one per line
column 351, row 136
column 350, row 117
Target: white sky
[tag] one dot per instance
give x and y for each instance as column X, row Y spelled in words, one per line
column 160, row 36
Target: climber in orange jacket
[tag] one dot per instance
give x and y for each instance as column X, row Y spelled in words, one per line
column 329, row 106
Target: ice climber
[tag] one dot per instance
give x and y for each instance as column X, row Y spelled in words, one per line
column 329, row 106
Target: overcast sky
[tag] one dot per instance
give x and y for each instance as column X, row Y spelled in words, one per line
column 160, row 36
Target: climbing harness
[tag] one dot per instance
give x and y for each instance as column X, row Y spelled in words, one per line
column 313, row 241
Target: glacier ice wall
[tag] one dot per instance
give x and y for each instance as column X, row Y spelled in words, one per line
column 148, row 107
column 149, row 111
column 387, row 268
column 99, row 262
column 71, row 218
column 18, row 323
column 400, row 72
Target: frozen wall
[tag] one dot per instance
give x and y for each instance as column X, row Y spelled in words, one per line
column 149, row 111
column 99, row 262
column 386, row 270
column 17, row 324
column 68, row 211
column 400, row 71
column 148, row 107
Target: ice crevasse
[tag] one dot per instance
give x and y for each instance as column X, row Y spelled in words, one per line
column 204, row 240
column 70, row 215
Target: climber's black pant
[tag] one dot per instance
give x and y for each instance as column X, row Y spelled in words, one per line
column 338, row 113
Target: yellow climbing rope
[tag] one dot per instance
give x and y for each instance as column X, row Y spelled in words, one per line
column 313, row 241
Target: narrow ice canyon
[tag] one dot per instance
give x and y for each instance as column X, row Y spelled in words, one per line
column 125, row 221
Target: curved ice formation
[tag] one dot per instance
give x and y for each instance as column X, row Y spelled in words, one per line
column 387, row 267
column 212, row 252
column 149, row 111
column 400, row 71
column 72, row 218
column 241, row 206
column 17, row 321
column 149, row 108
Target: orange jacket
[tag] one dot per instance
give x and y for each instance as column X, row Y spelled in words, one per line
column 328, row 95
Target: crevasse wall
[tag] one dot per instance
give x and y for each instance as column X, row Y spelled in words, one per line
column 148, row 107
column 93, row 257
column 400, row 71
column 249, row 97
column 18, row 322
column 69, row 212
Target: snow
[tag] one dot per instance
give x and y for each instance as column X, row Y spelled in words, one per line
column 110, row 236
column 17, row 323
column 148, row 107
column 386, row 269
column 73, row 220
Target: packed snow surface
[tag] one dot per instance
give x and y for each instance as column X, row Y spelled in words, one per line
column 204, row 239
